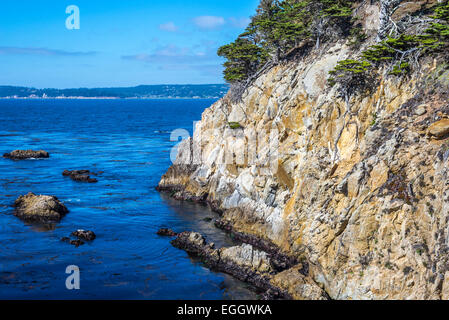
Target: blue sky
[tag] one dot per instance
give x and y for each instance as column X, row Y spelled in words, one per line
column 119, row 43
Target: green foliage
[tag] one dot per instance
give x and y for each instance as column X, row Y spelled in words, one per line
column 436, row 37
column 442, row 11
column 243, row 58
column 400, row 69
column 397, row 52
column 278, row 27
column 356, row 37
column 351, row 66
column 374, row 121
column 337, row 9
column 390, row 49
column 235, row 125
column 351, row 74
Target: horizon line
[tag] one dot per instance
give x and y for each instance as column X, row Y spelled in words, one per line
column 118, row 87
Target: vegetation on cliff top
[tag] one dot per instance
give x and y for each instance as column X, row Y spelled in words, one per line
column 279, row 27
column 397, row 52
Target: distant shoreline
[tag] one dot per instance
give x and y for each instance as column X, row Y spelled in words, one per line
column 109, row 98
column 206, row 91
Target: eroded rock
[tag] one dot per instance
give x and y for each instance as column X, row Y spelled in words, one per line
column 39, row 208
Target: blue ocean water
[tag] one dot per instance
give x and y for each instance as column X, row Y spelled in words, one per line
column 130, row 141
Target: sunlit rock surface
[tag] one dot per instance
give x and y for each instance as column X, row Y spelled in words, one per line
column 358, row 191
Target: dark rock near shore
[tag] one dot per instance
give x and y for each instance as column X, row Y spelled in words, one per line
column 166, row 232
column 84, row 235
column 80, row 175
column 279, row 260
column 39, row 208
column 27, row 154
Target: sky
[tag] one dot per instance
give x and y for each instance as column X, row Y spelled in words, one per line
column 118, row 43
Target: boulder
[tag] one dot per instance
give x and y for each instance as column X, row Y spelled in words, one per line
column 39, row 208
column 26, row 154
column 439, row 129
column 80, row 175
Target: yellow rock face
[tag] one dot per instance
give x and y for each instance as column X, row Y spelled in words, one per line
column 359, row 191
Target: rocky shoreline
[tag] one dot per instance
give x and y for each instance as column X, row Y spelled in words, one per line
column 271, row 283
column 247, row 264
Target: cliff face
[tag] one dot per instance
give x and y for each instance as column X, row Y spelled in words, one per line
column 358, row 189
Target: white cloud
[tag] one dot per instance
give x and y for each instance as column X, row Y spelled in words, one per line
column 43, row 52
column 209, row 22
column 174, row 55
column 239, row 22
column 169, row 26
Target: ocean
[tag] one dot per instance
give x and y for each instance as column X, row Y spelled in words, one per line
column 129, row 140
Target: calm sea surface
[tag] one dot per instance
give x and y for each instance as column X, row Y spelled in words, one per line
column 130, row 141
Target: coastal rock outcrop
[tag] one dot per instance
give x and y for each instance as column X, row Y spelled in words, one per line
column 26, row 154
column 353, row 188
column 80, row 175
column 39, row 208
column 247, row 264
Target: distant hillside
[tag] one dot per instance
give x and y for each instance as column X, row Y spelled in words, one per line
column 143, row 92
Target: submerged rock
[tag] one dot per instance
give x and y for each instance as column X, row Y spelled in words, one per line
column 75, row 243
column 39, row 208
column 86, row 235
column 80, row 175
column 26, row 154
column 167, row 232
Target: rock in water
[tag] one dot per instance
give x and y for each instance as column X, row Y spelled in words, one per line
column 167, row 232
column 84, row 235
column 26, row 154
column 39, row 208
column 80, row 175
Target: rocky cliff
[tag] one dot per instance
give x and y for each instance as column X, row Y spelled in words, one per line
column 356, row 188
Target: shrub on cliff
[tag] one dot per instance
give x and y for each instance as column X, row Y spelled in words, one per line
column 436, row 36
column 352, row 76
